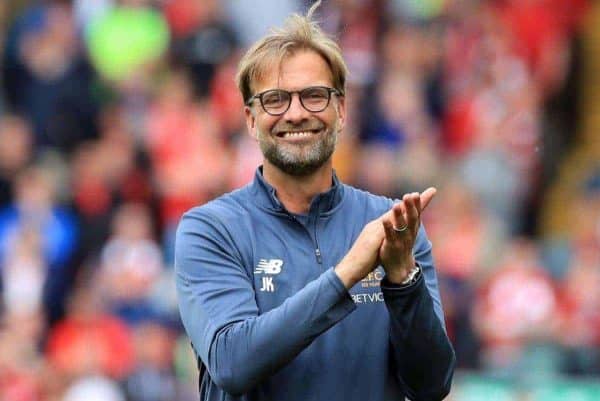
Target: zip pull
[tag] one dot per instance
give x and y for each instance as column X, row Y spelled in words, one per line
column 318, row 254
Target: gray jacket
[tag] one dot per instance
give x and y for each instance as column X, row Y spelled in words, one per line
column 270, row 320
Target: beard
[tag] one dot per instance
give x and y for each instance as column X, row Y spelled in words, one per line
column 300, row 159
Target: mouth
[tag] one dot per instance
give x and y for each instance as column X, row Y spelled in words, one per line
column 298, row 134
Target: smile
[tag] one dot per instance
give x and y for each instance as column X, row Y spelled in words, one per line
column 297, row 134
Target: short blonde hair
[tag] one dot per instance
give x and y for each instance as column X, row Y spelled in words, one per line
column 299, row 33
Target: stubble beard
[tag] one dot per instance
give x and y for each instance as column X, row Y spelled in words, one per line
column 299, row 160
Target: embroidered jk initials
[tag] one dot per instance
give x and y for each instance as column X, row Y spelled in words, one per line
column 267, row 284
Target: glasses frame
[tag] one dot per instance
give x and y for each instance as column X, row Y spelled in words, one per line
column 260, row 96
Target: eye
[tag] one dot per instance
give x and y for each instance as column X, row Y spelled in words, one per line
column 315, row 93
column 315, row 96
column 274, row 98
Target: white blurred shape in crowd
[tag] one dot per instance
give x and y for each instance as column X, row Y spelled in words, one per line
column 87, row 11
column 96, row 388
column 253, row 19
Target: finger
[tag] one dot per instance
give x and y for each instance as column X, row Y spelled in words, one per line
column 398, row 215
column 411, row 211
column 426, row 197
column 399, row 209
column 400, row 206
column 390, row 234
column 387, row 215
column 417, row 199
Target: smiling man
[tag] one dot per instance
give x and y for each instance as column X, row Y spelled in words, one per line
column 299, row 287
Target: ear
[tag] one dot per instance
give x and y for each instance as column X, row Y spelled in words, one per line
column 341, row 109
column 250, row 121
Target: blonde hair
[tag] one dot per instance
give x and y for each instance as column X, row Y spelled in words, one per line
column 298, row 33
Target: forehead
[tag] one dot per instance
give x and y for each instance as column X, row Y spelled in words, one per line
column 295, row 71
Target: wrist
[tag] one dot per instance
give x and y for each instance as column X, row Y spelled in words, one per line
column 402, row 276
column 347, row 274
column 413, row 276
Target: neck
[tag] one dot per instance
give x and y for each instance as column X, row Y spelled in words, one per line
column 296, row 193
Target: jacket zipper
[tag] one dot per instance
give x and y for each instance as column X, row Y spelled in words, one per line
column 318, row 254
column 314, row 240
column 317, row 250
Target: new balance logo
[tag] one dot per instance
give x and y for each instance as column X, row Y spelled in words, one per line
column 271, row 266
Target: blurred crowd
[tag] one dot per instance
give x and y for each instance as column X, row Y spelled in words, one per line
column 116, row 116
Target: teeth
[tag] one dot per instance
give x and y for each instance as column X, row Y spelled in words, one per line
column 297, row 134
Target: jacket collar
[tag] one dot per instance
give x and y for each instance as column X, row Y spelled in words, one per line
column 265, row 196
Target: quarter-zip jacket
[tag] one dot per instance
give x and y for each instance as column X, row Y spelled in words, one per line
column 270, row 320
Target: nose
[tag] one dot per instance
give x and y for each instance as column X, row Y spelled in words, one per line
column 296, row 112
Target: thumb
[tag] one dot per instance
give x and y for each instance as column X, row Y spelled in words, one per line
column 427, row 196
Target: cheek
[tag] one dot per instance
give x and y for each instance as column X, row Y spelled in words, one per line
column 331, row 118
column 265, row 123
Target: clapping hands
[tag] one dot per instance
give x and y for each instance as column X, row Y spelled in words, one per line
column 387, row 240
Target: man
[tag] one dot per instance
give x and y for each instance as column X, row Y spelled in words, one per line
column 298, row 287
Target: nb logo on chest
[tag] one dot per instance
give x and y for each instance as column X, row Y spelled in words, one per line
column 269, row 267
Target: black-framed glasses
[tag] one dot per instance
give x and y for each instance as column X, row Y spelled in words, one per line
column 277, row 101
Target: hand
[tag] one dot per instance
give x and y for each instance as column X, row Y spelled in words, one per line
column 363, row 257
column 401, row 225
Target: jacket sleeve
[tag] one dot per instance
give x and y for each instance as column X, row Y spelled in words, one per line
column 239, row 346
column 422, row 353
